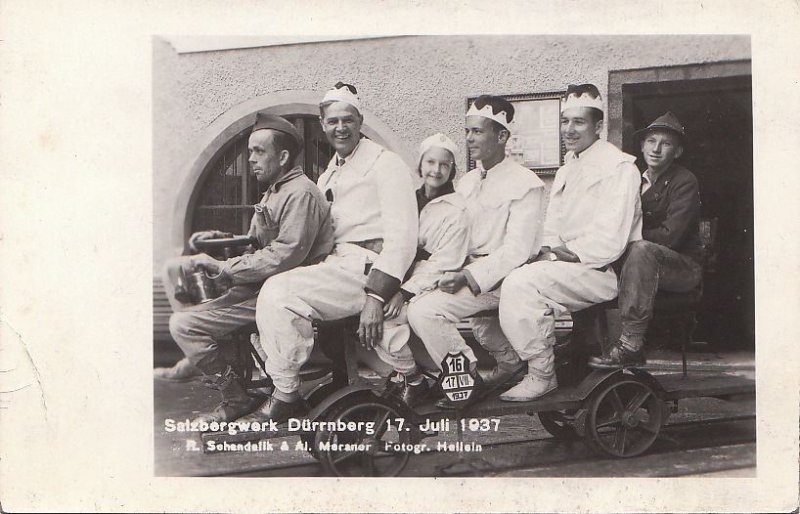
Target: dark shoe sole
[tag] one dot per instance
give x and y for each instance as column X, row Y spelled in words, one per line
column 615, row 365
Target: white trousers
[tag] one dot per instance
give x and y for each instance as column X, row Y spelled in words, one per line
column 433, row 317
column 536, row 293
column 331, row 290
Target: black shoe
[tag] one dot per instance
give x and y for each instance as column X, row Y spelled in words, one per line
column 410, row 394
column 618, row 357
column 497, row 376
column 276, row 410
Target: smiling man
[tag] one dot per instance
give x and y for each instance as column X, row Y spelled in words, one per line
column 504, row 211
column 291, row 226
column 668, row 258
column 374, row 213
column 594, row 211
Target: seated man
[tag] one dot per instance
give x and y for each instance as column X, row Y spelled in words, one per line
column 375, row 231
column 504, row 207
column 292, row 226
column 594, row 212
column 668, row 258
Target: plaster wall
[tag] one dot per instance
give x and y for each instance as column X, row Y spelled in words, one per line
column 414, row 85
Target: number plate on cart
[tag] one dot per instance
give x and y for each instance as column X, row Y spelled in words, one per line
column 456, row 381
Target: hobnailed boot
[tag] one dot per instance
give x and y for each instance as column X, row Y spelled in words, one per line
column 235, row 401
column 182, row 371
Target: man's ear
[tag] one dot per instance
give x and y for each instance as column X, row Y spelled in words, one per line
column 284, row 158
column 679, row 151
column 503, row 136
column 598, row 127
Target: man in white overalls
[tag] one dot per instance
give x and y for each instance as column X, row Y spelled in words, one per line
column 594, row 211
column 374, row 213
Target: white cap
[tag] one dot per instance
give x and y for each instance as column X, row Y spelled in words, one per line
column 501, row 117
column 437, row 140
column 342, row 94
column 584, row 100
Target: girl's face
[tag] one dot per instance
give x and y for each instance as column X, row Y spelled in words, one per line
column 436, row 167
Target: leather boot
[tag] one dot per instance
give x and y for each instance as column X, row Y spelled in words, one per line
column 411, row 395
column 275, row 410
column 235, row 401
column 618, row 356
column 502, row 373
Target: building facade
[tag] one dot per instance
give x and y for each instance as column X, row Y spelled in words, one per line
column 414, row 86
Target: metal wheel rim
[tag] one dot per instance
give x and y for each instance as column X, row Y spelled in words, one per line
column 559, row 423
column 624, row 418
column 378, row 462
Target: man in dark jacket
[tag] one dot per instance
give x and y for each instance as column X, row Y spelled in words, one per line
column 669, row 256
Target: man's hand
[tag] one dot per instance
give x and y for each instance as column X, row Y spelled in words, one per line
column 565, row 254
column 206, row 234
column 207, row 263
column 452, row 281
column 393, row 306
column 370, row 328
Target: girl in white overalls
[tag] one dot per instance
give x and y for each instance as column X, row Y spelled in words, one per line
column 442, row 246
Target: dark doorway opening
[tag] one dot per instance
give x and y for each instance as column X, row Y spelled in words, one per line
column 718, row 117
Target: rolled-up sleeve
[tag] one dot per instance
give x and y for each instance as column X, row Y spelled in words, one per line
column 606, row 236
column 451, row 244
column 521, row 236
column 683, row 209
column 298, row 227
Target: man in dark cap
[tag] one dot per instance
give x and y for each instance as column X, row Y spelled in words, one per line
column 669, row 256
column 291, row 227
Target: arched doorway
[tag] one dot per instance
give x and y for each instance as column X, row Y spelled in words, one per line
column 228, row 190
column 228, row 198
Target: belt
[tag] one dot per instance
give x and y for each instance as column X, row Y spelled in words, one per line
column 373, row 245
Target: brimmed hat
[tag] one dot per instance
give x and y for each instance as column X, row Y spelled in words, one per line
column 272, row 122
column 667, row 121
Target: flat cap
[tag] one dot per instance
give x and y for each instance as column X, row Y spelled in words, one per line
column 272, row 122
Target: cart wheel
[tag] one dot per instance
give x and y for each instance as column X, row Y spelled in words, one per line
column 623, row 418
column 367, row 454
column 560, row 423
column 311, row 447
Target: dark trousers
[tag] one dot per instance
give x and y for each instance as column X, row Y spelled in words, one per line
column 648, row 268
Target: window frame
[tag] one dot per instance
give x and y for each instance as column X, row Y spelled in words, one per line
column 516, row 99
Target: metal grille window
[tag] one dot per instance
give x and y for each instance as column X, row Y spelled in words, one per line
column 229, row 190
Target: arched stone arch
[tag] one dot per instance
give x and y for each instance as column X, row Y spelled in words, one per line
column 238, row 119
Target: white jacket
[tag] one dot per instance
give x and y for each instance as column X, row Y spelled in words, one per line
column 595, row 208
column 444, row 234
column 505, row 217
